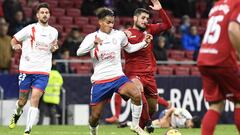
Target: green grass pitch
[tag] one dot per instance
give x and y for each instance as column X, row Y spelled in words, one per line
column 105, row 130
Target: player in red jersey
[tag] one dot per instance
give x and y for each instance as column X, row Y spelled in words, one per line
column 217, row 62
column 140, row 66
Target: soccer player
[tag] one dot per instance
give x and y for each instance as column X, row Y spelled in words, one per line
column 176, row 118
column 37, row 42
column 140, row 66
column 217, row 62
column 105, row 46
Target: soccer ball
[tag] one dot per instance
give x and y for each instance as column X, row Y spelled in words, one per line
column 173, row 132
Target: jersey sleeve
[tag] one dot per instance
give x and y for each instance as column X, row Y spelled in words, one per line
column 159, row 27
column 236, row 14
column 86, row 45
column 56, row 34
column 124, row 39
column 23, row 33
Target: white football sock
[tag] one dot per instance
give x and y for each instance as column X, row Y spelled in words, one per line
column 31, row 118
column 136, row 113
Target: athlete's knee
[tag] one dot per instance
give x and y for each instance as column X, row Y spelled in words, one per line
column 137, row 96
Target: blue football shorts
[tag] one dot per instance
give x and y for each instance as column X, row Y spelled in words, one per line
column 104, row 91
column 29, row 81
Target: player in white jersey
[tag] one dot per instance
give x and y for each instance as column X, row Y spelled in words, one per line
column 105, row 47
column 37, row 42
column 177, row 118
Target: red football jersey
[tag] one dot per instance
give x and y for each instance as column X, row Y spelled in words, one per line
column 216, row 48
column 143, row 61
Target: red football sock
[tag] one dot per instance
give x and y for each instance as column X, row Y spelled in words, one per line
column 145, row 113
column 118, row 102
column 209, row 122
column 162, row 102
column 237, row 118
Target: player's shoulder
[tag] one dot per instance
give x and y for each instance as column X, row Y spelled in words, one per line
column 91, row 35
column 51, row 28
column 118, row 33
column 30, row 25
column 115, row 31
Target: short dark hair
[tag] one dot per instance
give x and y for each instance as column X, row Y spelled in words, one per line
column 103, row 12
column 138, row 11
column 196, row 122
column 42, row 5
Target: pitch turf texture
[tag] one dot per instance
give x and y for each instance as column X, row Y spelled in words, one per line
column 105, row 130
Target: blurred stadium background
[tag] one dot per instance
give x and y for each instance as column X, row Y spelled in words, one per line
column 177, row 76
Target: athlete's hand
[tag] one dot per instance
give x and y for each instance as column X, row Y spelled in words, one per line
column 128, row 33
column 148, row 38
column 16, row 47
column 97, row 41
column 156, row 5
column 54, row 46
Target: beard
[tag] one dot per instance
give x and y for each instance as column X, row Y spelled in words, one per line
column 44, row 20
column 140, row 27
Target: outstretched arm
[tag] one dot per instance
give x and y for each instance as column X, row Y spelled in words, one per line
column 165, row 24
column 130, row 48
column 156, row 5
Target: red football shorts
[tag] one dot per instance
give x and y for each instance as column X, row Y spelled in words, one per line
column 149, row 84
column 220, row 83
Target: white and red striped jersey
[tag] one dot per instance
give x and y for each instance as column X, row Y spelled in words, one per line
column 36, row 42
column 107, row 56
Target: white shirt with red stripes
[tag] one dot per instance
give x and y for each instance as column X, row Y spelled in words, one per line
column 36, row 41
column 107, row 56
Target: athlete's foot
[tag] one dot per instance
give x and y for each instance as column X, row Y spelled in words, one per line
column 149, row 127
column 14, row 120
column 138, row 130
column 93, row 130
column 26, row 133
column 112, row 119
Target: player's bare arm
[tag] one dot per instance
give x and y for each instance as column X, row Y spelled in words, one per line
column 234, row 35
column 156, row 5
column 15, row 45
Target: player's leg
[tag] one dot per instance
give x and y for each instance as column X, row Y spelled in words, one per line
column 24, row 86
column 100, row 94
column 237, row 115
column 130, row 90
column 145, row 118
column 211, row 117
column 163, row 102
column 96, row 111
column 117, row 102
column 38, row 86
column 212, row 94
column 229, row 80
column 33, row 110
column 23, row 96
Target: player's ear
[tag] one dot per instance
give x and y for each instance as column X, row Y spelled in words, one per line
column 134, row 18
column 37, row 15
